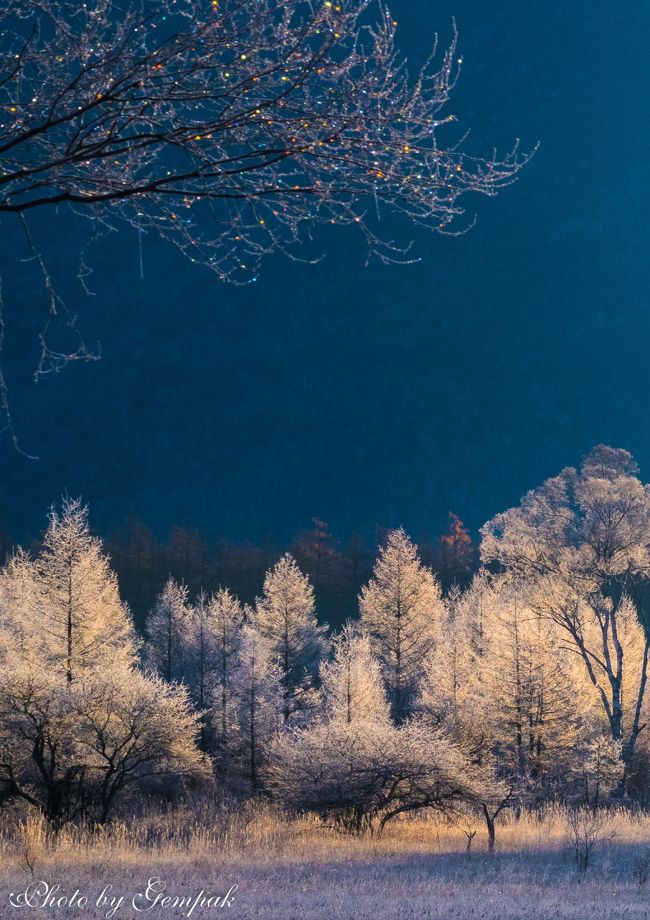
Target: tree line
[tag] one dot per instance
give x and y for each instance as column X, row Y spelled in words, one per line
column 525, row 686
column 337, row 569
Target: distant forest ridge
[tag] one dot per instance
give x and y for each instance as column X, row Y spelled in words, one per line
column 336, row 569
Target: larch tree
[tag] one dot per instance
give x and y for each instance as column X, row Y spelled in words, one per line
column 285, row 616
column 539, row 706
column 20, row 606
column 168, row 632
column 218, row 634
column 80, row 724
column 401, row 609
column 352, row 687
column 257, row 713
column 584, row 538
column 81, row 619
column 451, row 690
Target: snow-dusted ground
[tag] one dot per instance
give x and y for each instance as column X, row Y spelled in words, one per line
column 418, row 871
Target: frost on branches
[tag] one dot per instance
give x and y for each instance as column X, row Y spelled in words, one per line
column 80, row 725
column 353, row 764
column 285, row 616
column 526, row 688
column 581, row 541
column 400, row 609
column 226, row 126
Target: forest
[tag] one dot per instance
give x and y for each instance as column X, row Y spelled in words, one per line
column 524, row 689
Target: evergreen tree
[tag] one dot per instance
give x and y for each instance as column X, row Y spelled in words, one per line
column 401, row 609
column 351, row 683
column 81, row 618
column 285, row 617
column 167, row 630
column 258, row 702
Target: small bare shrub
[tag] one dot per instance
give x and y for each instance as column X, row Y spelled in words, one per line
column 586, row 828
column 470, row 833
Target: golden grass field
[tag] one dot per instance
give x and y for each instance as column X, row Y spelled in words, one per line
column 299, row 869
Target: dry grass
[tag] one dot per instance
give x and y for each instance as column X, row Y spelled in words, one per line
column 299, row 869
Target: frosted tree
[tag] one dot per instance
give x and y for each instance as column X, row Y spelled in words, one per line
column 584, row 538
column 218, row 624
column 401, row 608
column 352, row 687
column 198, row 637
column 168, row 632
column 20, row 606
column 451, row 691
column 138, row 732
column 80, row 725
column 74, row 751
column 81, row 619
column 367, row 772
column 603, row 769
column 257, row 712
column 539, row 705
column 285, row 617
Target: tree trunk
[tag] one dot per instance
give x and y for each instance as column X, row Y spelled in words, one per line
column 489, row 821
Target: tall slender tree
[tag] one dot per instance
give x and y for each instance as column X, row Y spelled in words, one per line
column 167, row 629
column 259, row 698
column 222, row 636
column 81, row 617
column 401, row 609
column 285, row 616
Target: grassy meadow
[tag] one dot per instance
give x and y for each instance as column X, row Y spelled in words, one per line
column 299, row 869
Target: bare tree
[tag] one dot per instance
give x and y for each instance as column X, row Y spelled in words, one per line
column 585, row 827
column 227, row 127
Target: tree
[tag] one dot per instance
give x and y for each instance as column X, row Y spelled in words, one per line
column 285, row 616
column 138, row 731
column 77, row 614
column 365, row 773
column 451, row 691
column 539, row 710
column 217, row 637
column 401, row 608
column 257, row 714
column 20, row 601
column 457, row 555
column 603, row 769
column 79, row 723
column 352, row 687
column 584, row 538
column 166, row 628
column 73, row 751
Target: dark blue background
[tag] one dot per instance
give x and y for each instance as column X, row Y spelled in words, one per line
column 384, row 395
